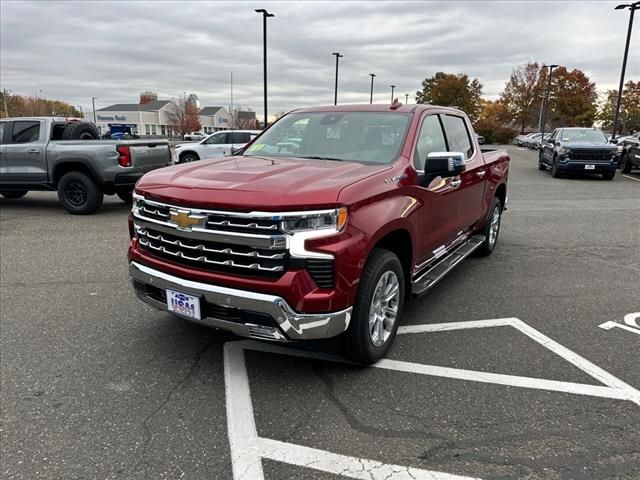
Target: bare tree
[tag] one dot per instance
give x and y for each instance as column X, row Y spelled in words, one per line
column 183, row 117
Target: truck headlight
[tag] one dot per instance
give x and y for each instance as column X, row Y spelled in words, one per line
column 330, row 219
column 564, row 151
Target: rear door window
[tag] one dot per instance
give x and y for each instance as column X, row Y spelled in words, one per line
column 457, row 135
column 239, row 137
column 25, row 131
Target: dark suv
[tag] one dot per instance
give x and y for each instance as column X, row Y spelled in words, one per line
column 630, row 152
column 579, row 150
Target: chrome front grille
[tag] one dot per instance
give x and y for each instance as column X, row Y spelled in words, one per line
column 211, row 255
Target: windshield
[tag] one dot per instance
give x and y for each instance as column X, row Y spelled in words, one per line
column 367, row 137
column 586, row 135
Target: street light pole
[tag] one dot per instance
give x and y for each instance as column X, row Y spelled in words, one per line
column 93, row 102
column 372, row 75
column 265, row 15
column 393, row 87
column 406, row 99
column 335, row 93
column 632, row 7
column 546, row 103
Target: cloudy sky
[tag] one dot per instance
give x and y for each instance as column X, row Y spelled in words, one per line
column 74, row 50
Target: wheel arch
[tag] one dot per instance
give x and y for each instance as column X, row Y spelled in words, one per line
column 65, row 167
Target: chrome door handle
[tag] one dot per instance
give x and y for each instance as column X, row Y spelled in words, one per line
column 33, row 151
column 455, row 182
column 481, row 173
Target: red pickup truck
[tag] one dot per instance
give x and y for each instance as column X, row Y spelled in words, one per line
column 323, row 225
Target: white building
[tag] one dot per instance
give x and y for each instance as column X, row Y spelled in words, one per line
column 153, row 118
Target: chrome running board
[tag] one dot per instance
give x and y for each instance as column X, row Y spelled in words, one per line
column 426, row 279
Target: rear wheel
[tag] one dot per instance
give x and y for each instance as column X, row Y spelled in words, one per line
column 625, row 163
column 377, row 309
column 491, row 229
column 13, row 193
column 79, row 194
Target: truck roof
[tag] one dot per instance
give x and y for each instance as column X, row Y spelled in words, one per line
column 385, row 107
column 53, row 119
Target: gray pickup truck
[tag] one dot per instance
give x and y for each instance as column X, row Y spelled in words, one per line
column 34, row 155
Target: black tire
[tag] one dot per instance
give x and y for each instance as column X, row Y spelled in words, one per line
column 79, row 194
column 555, row 170
column 80, row 131
column 11, row 194
column 490, row 242
column 541, row 165
column 189, row 157
column 126, row 195
column 625, row 163
column 359, row 345
column 609, row 175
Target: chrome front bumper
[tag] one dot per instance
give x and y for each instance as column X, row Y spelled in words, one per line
column 292, row 325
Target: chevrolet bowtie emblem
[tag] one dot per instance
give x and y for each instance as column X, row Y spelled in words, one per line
column 184, row 220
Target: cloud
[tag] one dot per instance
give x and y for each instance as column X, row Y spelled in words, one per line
column 113, row 50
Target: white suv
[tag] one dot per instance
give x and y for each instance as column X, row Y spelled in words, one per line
column 217, row 144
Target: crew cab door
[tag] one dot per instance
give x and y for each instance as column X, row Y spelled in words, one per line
column 438, row 218
column 548, row 147
column 469, row 195
column 24, row 158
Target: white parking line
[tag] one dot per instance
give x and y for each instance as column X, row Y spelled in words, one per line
column 248, row 449
column 631, row 178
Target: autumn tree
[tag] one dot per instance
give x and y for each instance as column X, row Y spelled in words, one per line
column 453, row 90
column 22, row 106
column 629, row 118
column 493, row 122
column 522, row 93
column 572, row 99
column 183, row 117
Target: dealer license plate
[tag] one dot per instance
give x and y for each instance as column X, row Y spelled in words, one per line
column 589, row 167
column 183, row 304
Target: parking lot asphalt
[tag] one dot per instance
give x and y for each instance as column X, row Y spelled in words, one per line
column 97, row 385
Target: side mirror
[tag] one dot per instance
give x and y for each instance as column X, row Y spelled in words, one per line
column 614, row 141
column 445, row 164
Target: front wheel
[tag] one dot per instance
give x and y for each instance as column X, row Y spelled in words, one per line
column 541, row 165
column 555, row 170
column 79, row 194
column 377, row 309
column 189, row 157
column 11, row 194
column 491, row 229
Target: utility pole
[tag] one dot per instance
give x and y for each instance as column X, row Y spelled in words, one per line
column 546, row 106
column 93, row 102
column 372, row 75
column 265, row 15
column 632, row 7
column 393, row 87
column 406, row 99
column 335, row 93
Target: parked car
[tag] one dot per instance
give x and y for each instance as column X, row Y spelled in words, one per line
column 537, row 142
column 530, row 140
column 34, row 156
column 480, row 139
column 630, row 154
column 215, row 145
column 195, row 136
column 324, row 235
column 522, row 139
column 580, row 150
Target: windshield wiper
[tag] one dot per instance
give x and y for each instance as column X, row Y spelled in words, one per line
column 313, row 157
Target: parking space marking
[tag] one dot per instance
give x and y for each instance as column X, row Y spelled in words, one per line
column 630, row 320
column 631, row 178
column 248, row 449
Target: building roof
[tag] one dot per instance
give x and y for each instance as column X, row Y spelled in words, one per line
column 135, row 107
column 207, row 111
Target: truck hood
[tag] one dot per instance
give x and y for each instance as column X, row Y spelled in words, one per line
column 589, row 146
column 255, row 183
